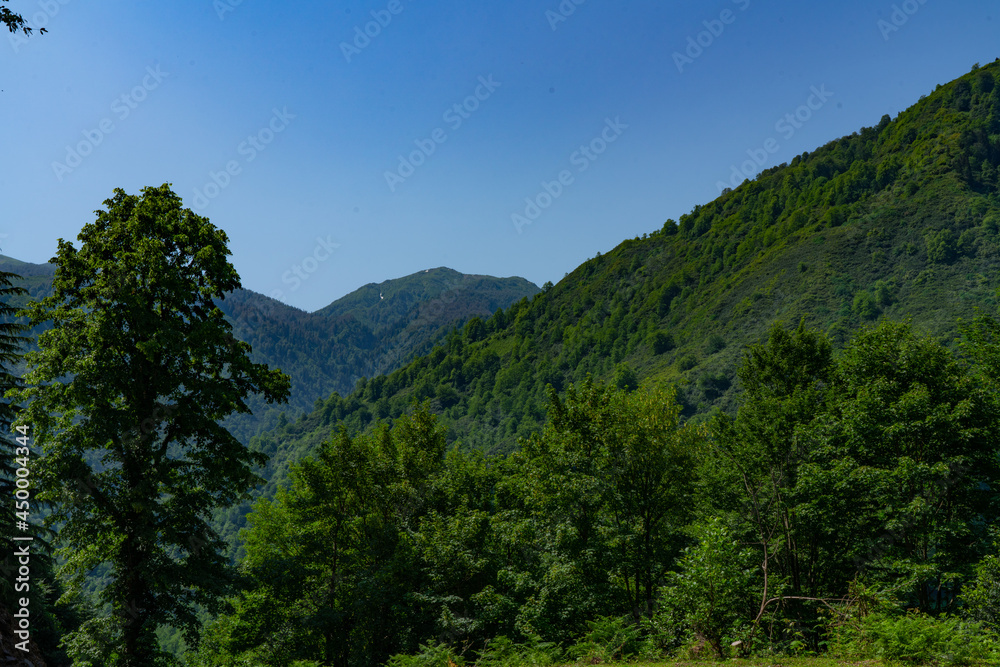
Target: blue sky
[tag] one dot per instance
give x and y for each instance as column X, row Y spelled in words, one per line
column 344, row 143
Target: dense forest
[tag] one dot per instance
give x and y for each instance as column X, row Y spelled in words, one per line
column 812, row 239
column 768, row 428
column 897, row 222
column 372, row 330
column 850, row 496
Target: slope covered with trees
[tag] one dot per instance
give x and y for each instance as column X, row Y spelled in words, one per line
column 899, row 220
column 370, row 331
column 845, row 491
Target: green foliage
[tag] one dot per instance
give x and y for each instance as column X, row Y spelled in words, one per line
column 882, row 293
column 941, row 246
column 662, row 342
column 430, row 655
column 608, row 639
column 502, row 652
column 925, row 468
column 713, row 385
column 714, row 589
column 687, row 362
column 991, row 221
column 607, row 487
column 124, row 396
column 865, row 305
column 917, row 639
column 715, row 344
column 625, row 378
column 331, row 560
column 982, row 597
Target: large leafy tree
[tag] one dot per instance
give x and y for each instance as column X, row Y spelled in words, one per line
column 909, row 463
column 753, row 472
column 331, row 567
column 877, row 464
column 603, row 494
column 125, row 395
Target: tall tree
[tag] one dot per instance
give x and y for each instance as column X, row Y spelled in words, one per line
column 753, row 472
column 912, row 446
column 331, row 569
column 125, row 395
column 605, row 492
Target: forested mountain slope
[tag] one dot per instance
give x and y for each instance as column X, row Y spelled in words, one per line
column 374, row 329
column 899, row 220
column 356, row 336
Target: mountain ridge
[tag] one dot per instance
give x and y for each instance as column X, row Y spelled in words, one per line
column 342, row 342
column 898, row 220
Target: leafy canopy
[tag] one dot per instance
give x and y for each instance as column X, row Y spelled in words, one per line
column 124, row 395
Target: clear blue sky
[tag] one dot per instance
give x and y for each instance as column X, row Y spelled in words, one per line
column 308, row 117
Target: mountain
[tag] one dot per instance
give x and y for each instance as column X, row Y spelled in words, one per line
column 372, row 330
column 356, row 336
column 898, row 220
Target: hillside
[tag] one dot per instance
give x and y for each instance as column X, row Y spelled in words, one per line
column 359, row 335
column 356, row 336
column 898, row 220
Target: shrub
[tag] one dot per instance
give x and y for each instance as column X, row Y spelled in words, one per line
column 991, row 222
column 941, row 246
column 687, row 362
column 882, row 293
column 502, row 652
column 713, row 384
column 715, row 343
column 982, row 599
column 662, row 342
column 430, row 655
column 864, row 306
column 713, row 591
column 967, row 242
column 608, row 639
column 915, row 638
column 625, row 378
